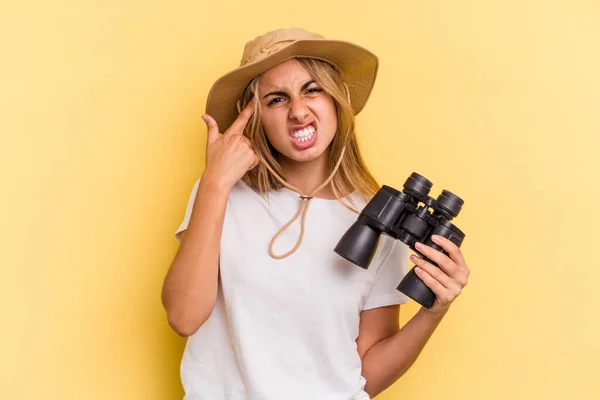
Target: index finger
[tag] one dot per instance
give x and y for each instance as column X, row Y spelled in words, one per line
column 452, row 249
column 237, row 127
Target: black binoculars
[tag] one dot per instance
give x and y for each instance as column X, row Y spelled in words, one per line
column 399, row 215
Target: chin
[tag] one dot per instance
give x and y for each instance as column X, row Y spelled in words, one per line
column 306, row 155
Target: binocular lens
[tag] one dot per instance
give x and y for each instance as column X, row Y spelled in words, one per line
column 418, row 184
column 450, row 203
column 358, row 244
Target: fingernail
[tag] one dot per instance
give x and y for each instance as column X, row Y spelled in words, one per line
column 204, row 118
column 417, row 270
column 419, row 246
column 435, row 238
column 413, row 258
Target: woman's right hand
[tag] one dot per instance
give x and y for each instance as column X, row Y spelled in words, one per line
column 229, row 156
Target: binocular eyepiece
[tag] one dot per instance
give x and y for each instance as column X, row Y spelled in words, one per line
column 398, row 214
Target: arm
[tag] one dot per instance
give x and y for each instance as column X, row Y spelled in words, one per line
column 386, row 352
column 190, row 287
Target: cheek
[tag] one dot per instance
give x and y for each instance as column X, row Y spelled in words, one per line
column 329, row 117
column 272, row 124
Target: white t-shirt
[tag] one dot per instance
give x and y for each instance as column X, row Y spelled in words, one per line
column 287, row 329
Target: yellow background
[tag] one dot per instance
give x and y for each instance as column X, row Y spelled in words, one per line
column 101, row 142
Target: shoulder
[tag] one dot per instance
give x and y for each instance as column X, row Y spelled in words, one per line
column 242, row 189
column 357, row 200
column 244, row 196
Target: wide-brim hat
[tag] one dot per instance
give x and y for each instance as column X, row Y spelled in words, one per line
column 357, row 65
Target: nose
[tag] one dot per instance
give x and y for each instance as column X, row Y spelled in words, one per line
column 298, row 110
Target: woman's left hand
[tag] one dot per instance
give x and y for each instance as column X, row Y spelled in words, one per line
column 447, row 281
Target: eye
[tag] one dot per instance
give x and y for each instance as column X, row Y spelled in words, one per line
column 275, row 101
column 314, row 90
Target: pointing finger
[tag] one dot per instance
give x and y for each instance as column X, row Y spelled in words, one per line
column 240, row 122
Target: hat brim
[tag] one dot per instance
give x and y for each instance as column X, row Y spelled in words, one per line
column 357, row 66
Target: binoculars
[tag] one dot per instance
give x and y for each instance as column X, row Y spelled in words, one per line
column 399, row 215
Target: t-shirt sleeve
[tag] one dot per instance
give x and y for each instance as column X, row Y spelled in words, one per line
column 188, row 212
column 393, row 267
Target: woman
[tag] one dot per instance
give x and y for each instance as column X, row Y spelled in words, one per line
column 270, row 310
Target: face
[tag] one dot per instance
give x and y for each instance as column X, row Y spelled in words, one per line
column 298, row 116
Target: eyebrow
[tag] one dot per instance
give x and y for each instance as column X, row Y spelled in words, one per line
column 280, row 93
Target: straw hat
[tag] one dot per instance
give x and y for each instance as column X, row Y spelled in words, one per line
column 357, row 66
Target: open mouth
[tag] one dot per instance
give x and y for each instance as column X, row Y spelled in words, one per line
column 303, row 138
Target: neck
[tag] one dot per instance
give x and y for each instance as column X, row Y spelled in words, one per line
column 307, row 176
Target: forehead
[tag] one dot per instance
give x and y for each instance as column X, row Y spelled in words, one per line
column 288, row 75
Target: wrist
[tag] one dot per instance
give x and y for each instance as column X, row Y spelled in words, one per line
column 434, row 314
column 214, row 183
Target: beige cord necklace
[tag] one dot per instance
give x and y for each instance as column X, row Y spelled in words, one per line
column 305, row 201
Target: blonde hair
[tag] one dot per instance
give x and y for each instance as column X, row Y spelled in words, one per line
column 352, row 175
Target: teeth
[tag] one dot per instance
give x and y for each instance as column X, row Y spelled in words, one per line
column 304, row 134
